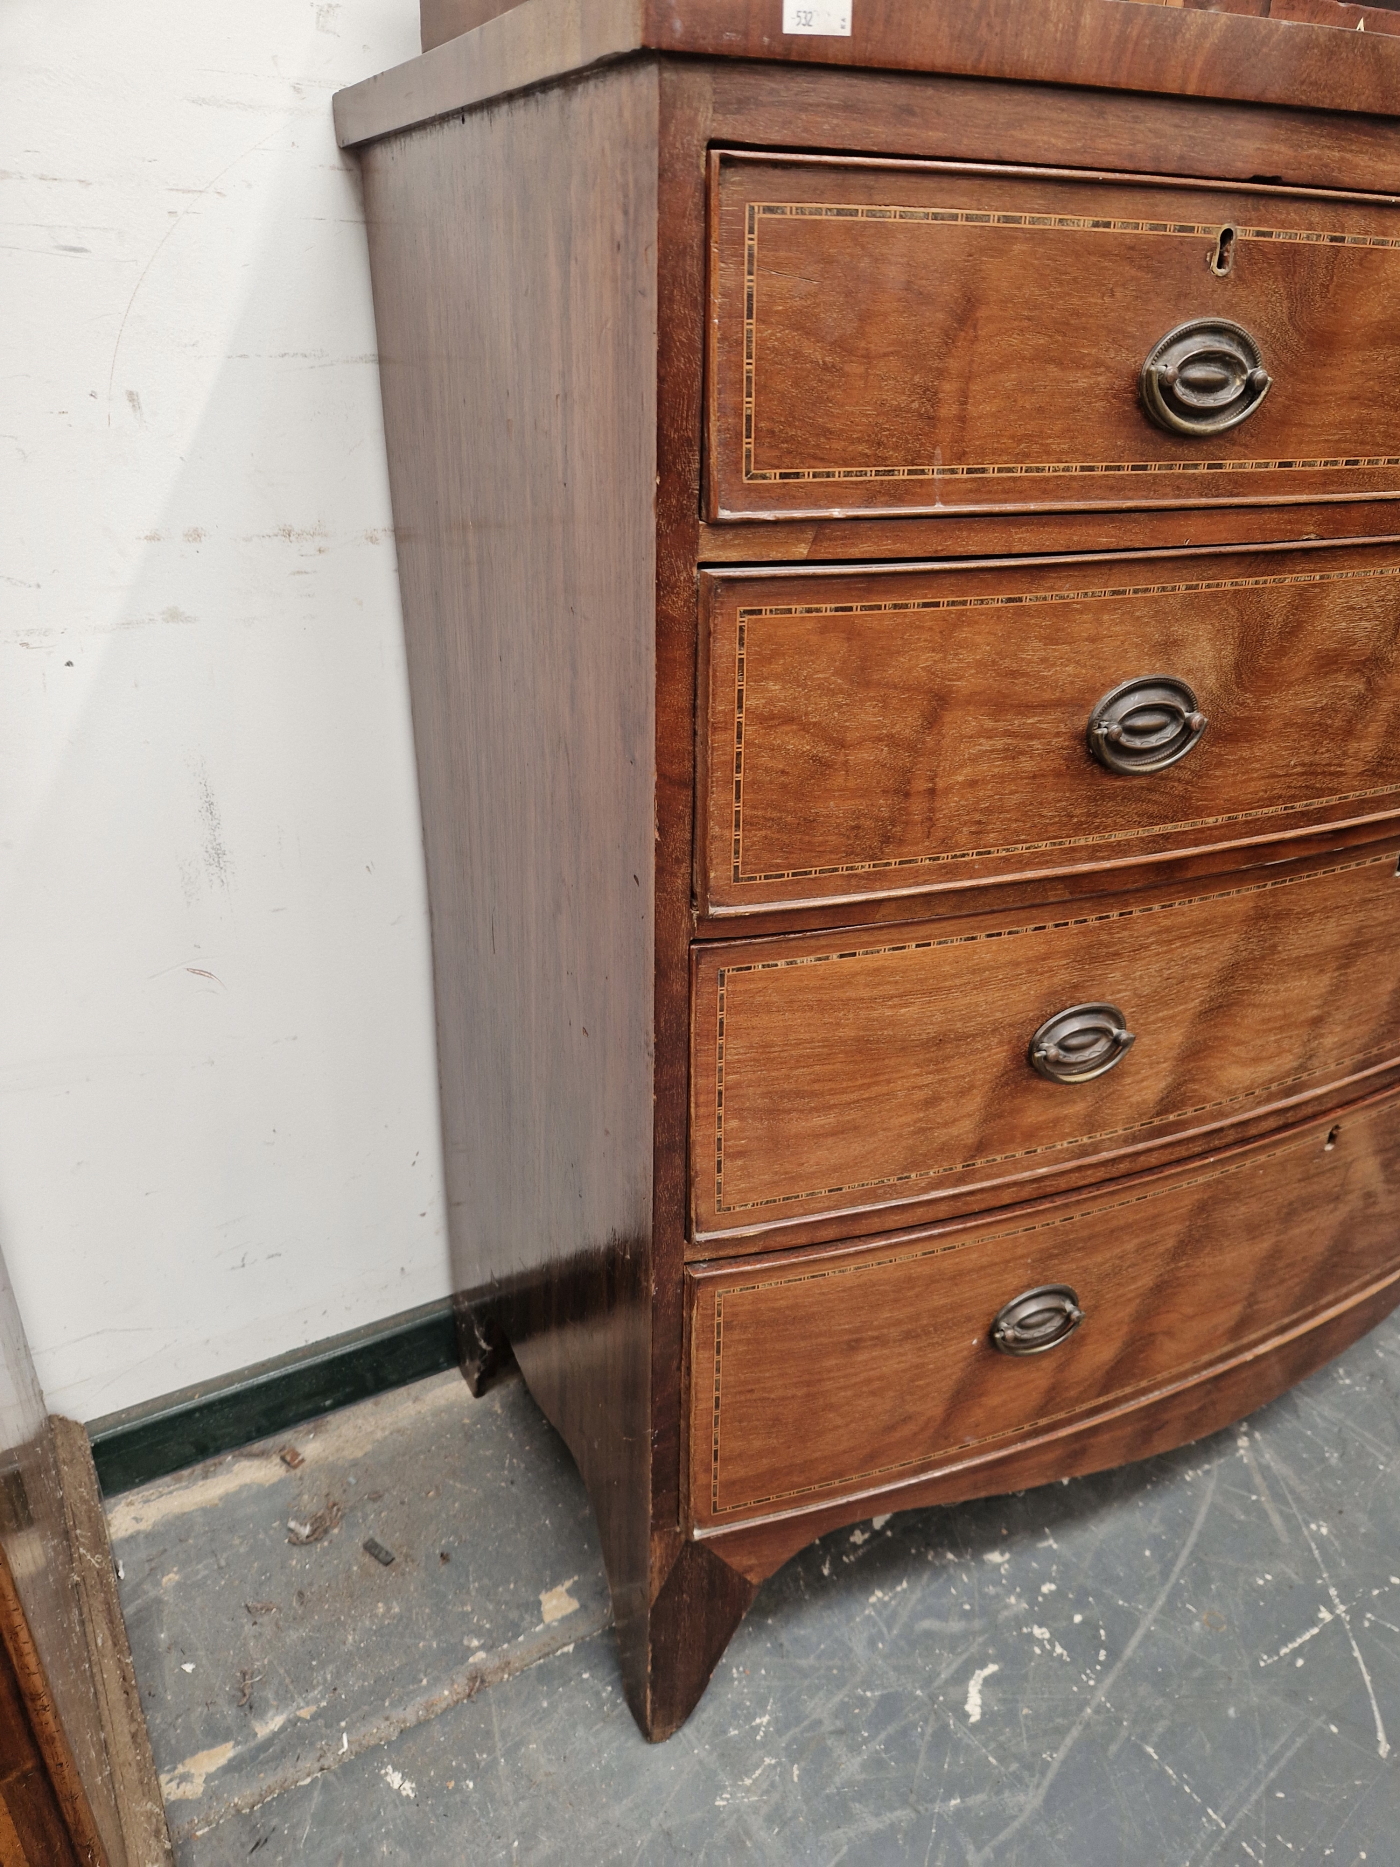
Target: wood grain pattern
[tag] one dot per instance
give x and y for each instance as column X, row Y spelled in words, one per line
column 877, row 732
column 908, row 337
column 1008, row 900
column 35, row 1827
column 41, row 1780
column 515, row 293
column 1085, row 42
column 440, row 20
column 531, row 44
column 684, row 136
column 540, row 276
column 940, row 116
column 1143, row 1427
column 923, row 113
column 1168, row 1288
column 1193, row 53
column 701, row 1602
column 40, row 1617
column 41, row 1630
column 835, row 1074
column 135, row 1784
column 1311, row 12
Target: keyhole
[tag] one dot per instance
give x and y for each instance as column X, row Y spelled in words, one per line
column 1331, row 1141
column 1223, row 257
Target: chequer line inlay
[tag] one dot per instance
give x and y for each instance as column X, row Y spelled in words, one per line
column 939, row 858
column 1334, row 1067
column 1071, row 223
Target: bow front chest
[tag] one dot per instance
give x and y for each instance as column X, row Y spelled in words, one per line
column 896, row 511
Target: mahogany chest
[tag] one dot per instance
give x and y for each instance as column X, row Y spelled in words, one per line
column 896, row 518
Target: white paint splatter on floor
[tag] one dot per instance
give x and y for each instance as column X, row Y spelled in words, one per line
column 556, row 1603
column 974, row 1692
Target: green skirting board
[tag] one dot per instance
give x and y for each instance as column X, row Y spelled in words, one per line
column 163, row 1436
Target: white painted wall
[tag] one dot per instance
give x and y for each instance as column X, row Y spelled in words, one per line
column 218, row 1127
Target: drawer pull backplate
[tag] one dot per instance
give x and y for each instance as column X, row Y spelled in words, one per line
column 1144, row 725
column 1037, row 1320
column 1080, row 1043
column 1204, row 378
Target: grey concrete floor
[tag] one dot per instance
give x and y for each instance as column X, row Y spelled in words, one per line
column 1191, row 1661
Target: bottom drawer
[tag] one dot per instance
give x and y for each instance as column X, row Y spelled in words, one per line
column 817, row 1375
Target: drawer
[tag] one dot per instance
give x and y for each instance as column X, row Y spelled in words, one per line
column 821, row 1374
column 879, row 732
column 844, row 1081
column 932, row 337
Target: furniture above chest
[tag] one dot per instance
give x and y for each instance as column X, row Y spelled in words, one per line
column 901, row 575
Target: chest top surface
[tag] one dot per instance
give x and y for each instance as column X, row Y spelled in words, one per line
column 1290, row 55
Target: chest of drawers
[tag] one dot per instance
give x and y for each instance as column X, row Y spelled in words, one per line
column 901, row 577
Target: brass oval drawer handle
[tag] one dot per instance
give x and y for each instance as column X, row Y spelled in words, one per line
column 1081, row 1043
column 1204, row 378
column 1144, row 725
column 1037, row 1320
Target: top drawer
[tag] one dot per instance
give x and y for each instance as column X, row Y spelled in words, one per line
column 922, row 337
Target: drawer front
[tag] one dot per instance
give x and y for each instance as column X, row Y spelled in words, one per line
column 856, row 1077
column 879, row 732
column 932, row 337
column 817, row 1375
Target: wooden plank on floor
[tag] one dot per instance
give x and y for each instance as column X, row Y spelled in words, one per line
column 139, row 1803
